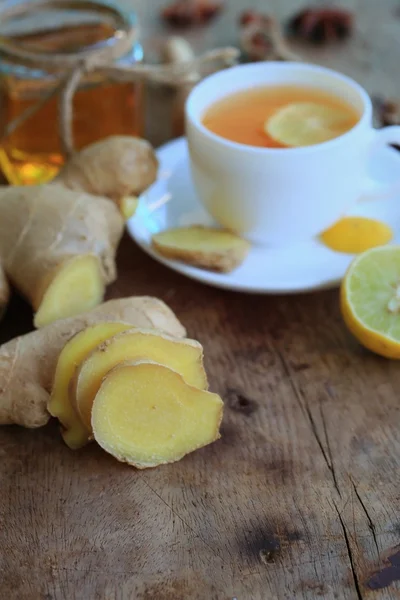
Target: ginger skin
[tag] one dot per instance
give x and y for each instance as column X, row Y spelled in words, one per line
column 117, row 167
column 183, row 355
column 58, row 242
column 146, row 415
column 28, row 362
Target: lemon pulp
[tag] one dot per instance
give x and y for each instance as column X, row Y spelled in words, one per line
column 308, row 123
column 370, row 300
column 353, row 235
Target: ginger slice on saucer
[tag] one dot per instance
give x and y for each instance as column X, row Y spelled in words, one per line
column 205, row 247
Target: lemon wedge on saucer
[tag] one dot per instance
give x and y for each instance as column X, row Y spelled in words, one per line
column 370, row 300
column 354, row 235
column 307, row 123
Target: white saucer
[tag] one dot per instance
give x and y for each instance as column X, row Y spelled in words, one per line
column 172, row 202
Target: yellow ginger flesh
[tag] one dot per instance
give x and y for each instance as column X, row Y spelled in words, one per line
column 183, row 355
column 75, row 434
column 28, row 363
column 145, row 414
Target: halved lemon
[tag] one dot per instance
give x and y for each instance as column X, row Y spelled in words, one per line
column 370, row 300
column 307, row 123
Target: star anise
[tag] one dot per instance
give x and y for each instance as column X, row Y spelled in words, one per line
column 322, row 25
column 183, row 13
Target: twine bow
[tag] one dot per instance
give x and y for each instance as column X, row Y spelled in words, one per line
column 101, row 58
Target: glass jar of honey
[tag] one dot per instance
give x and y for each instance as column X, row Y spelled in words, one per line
column 30, row 148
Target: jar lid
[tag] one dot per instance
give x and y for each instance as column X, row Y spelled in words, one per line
column 111, row 48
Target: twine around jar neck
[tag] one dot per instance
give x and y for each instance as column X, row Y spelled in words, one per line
column 100, row 58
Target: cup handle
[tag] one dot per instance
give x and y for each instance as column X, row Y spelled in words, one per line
column 373, row 189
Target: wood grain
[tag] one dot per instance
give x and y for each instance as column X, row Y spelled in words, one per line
column 298, row 500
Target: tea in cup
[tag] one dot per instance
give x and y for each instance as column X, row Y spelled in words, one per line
column 279, row 151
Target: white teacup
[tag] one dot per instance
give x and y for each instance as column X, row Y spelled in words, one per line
column 274, row 195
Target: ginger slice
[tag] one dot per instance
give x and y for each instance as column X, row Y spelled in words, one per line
column 183, row 355
column 75, row 351
column 28, row 362
column 146, row 415
column 205, row 247
column 76, row 287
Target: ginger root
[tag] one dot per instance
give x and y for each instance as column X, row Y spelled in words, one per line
column 145, row 414
column 204, row 247
column 28, row 363
column 58, row 247
column 74, row 352
column 4, row 291
column 183, row 355
column 58, row 241
column 118, row 167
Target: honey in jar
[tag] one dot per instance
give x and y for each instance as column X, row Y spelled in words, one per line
column 32, row 153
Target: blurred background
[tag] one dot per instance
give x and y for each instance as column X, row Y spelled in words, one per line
column 370, row 54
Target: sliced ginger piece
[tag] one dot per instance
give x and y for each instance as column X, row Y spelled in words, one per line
column 28, row 362
column 76, row 287
column 205, row 247
column 183, row 355
column 75, row 351
column 146, row 415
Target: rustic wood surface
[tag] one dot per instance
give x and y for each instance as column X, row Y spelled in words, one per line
column 298, row 500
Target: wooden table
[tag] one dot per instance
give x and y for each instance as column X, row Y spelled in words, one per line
column 298, row 500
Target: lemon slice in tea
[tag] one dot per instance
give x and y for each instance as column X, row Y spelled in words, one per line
column 307, row 123
column 370, row 300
